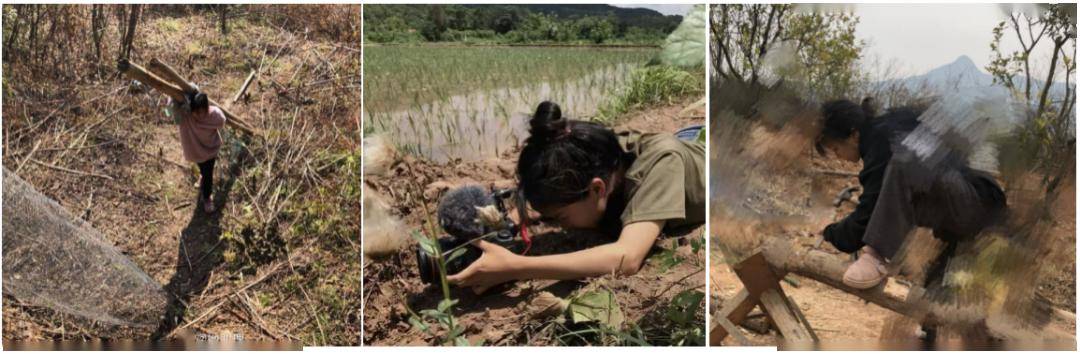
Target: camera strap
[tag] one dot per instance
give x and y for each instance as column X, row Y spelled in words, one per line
column 523, row 216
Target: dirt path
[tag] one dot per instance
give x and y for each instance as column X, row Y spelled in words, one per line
column 508, row 316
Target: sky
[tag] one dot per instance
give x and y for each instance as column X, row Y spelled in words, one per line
column 672, row 9
column 920, row 37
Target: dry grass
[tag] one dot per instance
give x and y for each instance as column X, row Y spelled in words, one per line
column 280, row 260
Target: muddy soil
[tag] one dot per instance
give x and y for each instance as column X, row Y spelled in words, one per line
column 507, row 315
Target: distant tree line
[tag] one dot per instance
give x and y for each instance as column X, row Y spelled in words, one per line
column 585, row 24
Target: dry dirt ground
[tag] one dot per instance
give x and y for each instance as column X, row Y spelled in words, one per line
column 509, row 316
column 307, row 290
column 836, row 316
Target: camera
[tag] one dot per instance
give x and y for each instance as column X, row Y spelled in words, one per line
column 465, row 213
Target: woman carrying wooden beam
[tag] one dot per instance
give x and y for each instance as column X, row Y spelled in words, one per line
column 198, row 123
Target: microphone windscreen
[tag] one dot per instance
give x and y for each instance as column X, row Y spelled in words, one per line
column 457, row 210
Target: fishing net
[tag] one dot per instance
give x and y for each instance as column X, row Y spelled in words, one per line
column 53, row 259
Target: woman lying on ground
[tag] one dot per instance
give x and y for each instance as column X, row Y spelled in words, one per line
column 583, row 175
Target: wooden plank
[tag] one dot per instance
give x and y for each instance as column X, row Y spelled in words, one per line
column 726, row 324
column 734, row 310
column 802, row 318
column 776, row 306
column 760, row 279
column 756, row 274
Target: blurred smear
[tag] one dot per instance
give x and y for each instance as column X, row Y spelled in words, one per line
column 1014, row 281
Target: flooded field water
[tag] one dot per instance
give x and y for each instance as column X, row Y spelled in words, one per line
column 480, row 107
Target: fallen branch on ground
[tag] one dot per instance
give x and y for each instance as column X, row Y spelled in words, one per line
column 68, row 170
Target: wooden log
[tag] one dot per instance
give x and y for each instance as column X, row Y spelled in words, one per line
column 135, row 72
column 138, row 73
column 912, row 301
column 787, row 256
column 171, row 75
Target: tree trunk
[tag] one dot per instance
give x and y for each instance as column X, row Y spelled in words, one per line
column 50, row 38
column 32, row 39
column 1049, row 78
column 223, row 14
column 14, row 35
column 129, row 35
column 97, row 25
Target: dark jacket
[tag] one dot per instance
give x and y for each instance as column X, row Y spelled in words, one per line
column 876, row 138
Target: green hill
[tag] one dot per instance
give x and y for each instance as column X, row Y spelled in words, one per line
column 522, row 24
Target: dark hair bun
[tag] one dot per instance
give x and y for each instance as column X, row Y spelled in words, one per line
column 199, row 101
column 547, row 123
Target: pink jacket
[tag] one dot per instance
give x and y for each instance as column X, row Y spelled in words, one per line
column 199, row 135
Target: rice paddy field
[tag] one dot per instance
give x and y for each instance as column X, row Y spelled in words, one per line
column 441, row 116
column 470, row 103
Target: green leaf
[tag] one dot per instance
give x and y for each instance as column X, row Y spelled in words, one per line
column 685, row 305
column 417, row 323
column 596, row 306
column 685, row 47
column 430, row 313
column 426, row 244
column 667, row 259
column 455, row 333
column 446, row 304
column 697, row 243
column 457, row 253
column 463, row 342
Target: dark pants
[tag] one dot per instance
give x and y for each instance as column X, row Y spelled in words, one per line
column 206, row 169
column 955, row 201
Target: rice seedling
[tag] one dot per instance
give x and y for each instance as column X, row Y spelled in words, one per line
column 482, row 95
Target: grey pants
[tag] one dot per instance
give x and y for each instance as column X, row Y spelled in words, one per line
column 955, row 201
